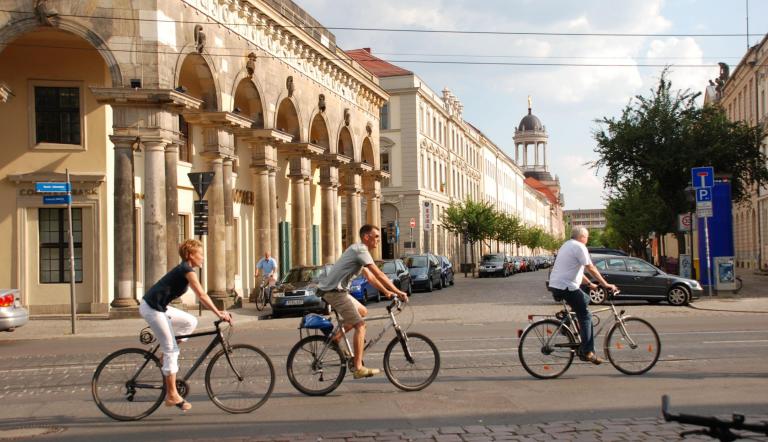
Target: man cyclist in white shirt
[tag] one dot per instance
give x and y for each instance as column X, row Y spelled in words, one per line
column 565, row 281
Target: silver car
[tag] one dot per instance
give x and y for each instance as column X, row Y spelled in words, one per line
column 12, row 314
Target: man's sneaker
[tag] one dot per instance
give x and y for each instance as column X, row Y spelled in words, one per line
column 365, row 372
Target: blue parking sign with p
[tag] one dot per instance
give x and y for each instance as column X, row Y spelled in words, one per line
column 703, row 194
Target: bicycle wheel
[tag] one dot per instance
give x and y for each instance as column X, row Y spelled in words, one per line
column 418, row 372
column 545, row 352
column 261, row 299
column 634, row 348
column 128, row 385
column 312, row 370
column 241, row 382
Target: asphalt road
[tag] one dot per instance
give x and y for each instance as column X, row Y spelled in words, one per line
column 712, row 362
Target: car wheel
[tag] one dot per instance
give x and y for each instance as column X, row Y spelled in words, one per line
column 378, row 296
column 365, row 298
column 678, row 295
column 410, row 290
column 429, row 285
column 597, row 296
column 440, row 284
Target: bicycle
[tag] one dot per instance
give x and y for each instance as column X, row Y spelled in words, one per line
column 716, row 428
column 265, row 294
column 316, row 365
column 129, row 385
column 547, row 347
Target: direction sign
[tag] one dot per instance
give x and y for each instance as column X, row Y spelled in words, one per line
column 702, row 177
column 703, row 194
column 201, row 181
column 427, row 215
column 57, row 199
column 51, row 187
column 413, row 223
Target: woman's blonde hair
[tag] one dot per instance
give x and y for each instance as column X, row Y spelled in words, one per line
column 188, row 246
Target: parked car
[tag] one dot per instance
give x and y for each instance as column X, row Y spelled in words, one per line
column 638, row 279
column 12, row 314
column 446, row 271
column 495, row 264
column 397, row 272
column 425, row 271
column 296, row 292
column 606, row 251
column 363, row 291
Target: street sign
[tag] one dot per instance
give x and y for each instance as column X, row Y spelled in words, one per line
column 684, row 222
column 702, row 177
column 201, row 181
column 704, row 209
column 413, row 223
column 51, row 187
column 57, row 199
column 201, row 217
column 703, row 194
column 427, row 215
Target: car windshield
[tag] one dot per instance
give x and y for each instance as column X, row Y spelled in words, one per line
column 307, row 274
column 492, row 258
column 388, row 267
column 416, row 261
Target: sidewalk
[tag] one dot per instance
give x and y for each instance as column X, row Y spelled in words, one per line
column 625, row 429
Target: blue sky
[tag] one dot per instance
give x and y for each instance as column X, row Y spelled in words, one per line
column 567, row 99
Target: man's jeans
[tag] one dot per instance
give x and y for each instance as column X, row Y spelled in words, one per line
column 579, row 302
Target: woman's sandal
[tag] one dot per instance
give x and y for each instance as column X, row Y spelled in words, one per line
column 183, row 405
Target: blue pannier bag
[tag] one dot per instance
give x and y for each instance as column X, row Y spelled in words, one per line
column 318, row 322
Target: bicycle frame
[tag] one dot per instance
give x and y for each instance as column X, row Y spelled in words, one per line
column 217, row 340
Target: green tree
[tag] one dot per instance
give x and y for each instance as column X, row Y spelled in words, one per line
column 595, row 238
column 472, row 219
column 631, row 213
column 658, row 139
column 507, row 228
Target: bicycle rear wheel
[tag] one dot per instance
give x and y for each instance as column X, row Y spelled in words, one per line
column 546, row 349
column 415, row 371
column 241, row 382
column 128, row 385
column 634, row 348
column 311, row 372
column 261, row 299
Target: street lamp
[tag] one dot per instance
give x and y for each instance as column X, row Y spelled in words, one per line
column 464, row 240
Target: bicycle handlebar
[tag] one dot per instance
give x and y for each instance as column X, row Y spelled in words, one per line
column 717, row 426
column 396, row 303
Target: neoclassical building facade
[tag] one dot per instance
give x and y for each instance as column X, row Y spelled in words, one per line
column 130, row 97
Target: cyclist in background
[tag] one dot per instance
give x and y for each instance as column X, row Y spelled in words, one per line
column 267, row 268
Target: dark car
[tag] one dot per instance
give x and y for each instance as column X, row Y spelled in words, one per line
column 496, row 264
column 425, row 272
column 638, row 279
column 397, row 272
column 297, row 291
column 447, row 271
column 606, row 251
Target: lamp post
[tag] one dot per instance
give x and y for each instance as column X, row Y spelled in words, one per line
column 464, row 241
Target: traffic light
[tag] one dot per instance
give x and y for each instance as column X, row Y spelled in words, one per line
column 201, row 217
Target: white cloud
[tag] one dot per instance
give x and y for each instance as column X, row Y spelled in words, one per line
column 681, row 51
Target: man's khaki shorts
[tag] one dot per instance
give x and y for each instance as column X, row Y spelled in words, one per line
column 345, row 305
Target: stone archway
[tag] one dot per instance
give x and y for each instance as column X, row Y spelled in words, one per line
column 287, row 119
column 366, row 154
column 248, row 103
column 318, row 132
column 346, row 147
column 196, row 79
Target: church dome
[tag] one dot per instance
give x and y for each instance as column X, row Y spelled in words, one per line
column 530, row 122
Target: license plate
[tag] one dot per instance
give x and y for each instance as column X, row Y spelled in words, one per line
column 294, row 302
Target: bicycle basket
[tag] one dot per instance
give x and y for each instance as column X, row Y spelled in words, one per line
column 318, row 322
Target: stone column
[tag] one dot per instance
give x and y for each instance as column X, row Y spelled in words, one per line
column 309, row 213
column 337, row 221
column 353, row 190
column 298, row 175
column 216, row 259
column 273, row 226
column 536, row 154
column 229, row 225
column 171, row 205
column 155, row 252
column 373, row 212
column 262, row 234
column 328, row 181
column 125, row 295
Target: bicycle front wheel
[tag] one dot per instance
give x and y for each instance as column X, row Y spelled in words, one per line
column 315, row 368
column 634, row 347
column 411, row 363
column 128, row 385
column 240, row 381
column 261, row 299
column 546, row 349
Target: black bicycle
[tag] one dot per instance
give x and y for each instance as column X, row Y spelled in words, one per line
column 316, row 365
column 129, row 385
column 715, row 428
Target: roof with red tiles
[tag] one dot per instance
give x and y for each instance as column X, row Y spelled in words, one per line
column 541, row 187
column 376, row 65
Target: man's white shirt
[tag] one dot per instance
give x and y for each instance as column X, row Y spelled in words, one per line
column 568, row 271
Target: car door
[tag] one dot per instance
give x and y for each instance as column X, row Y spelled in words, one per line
column 650, row 282
column 403, row 275
column 614, row 270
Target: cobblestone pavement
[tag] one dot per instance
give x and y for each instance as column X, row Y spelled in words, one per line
column 640, row 429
